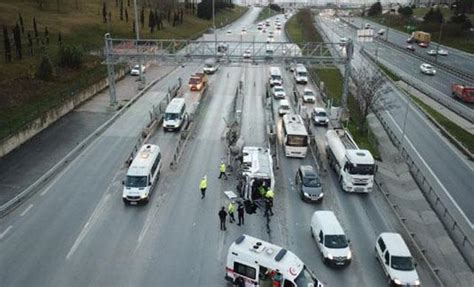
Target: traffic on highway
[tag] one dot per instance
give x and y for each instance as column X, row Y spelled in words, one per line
column 165, row 196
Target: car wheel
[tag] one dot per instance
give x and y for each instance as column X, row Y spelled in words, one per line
column 125, row 202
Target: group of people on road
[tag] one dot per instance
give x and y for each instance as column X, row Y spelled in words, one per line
column 231, row 211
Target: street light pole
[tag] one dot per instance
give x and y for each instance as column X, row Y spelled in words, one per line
column 439, row 40
column 137, row 32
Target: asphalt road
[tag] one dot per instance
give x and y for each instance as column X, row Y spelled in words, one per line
column 404, row 65
column 456, row 58
column 448, row 165
column 77, row 232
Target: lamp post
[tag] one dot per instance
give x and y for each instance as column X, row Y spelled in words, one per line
column 137, row 32
column 439, row 40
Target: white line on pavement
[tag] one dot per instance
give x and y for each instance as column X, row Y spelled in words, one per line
column 5, row 232
column 26, row 210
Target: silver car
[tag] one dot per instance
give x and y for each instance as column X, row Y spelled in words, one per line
column 308, row 184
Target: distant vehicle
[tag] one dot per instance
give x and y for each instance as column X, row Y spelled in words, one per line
column 421, row 37
column 331, row 238
column 300, row 74
column 175, row 114
column 320, row 116
column 197, row 81
column 381, row 32
column 442, row 52
column 423, row 44
column 247, row 54
column 367, row 26
column 250, row 258
column 275, row 78
column 343, row 40
column 410, row 47
column 136, row 70
column 427, row 69
column 267, row 23
column 295, row 136
column 229, row 32
column 308, row 184
column 142, row 175
column 355, row 167
column 259, row 27
column 244, row 30
column 210, row 66
column 465, row 93
column 309, row 96
column 278, row 27
column 278, row 92
column 283, row 107
column 397, row 262
column 270, row 33
column 431, row 52
column 222, row 49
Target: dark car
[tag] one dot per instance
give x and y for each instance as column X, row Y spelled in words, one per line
column 308, row 184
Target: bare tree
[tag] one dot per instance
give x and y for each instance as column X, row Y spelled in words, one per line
column 368, row 84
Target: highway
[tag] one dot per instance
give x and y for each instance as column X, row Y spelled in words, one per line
column 448, row 165
column 458, row 59
column 404, row 65
column 77, row 232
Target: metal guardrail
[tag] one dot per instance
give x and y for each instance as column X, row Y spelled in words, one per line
column 40, row 182
column 432, row 189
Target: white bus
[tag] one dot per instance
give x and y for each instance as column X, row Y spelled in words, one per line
column 295, row 136
column 275, row 78
column 175, row 114
column 142, row 175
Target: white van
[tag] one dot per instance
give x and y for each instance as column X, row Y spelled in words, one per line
column 330, row 238
column 259, row 263
column 283, row 107
column 397, row 263
column 175, row 114
column 210, row 66
column 275, row 77
column 142, row 175
column 301, row 74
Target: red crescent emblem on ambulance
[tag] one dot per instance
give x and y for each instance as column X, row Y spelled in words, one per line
column 292, row 271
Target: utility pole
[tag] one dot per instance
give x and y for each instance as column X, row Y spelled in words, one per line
column 137, row 31
column 347, row 74
column 110, row 70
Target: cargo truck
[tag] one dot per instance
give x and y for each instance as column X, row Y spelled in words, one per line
column 464, row 93
column 355, row 167
column 420, row 37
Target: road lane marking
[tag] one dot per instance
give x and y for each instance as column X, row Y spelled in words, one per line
column 26, row 210
column 5, row 232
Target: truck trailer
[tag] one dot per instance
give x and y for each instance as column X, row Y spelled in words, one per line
column 355, row 167
column 464, row 93
column 257, row 170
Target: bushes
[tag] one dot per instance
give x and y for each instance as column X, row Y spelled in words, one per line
column 375, row 9
column 45, row 68
column 406, row 11
column 70, row 57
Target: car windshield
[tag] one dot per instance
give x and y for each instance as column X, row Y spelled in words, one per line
column 194, row 81
column 335, row 241
column 362, row 169
column 308, row 93
column 302, row 74
column 136, row 181
column 311, row 181
column 296, row 140
column 171, row 116
column 306, row 279
column 278, row 89
column 402, row 263
column 275, row 77
column 136, row 67
column 321, row 114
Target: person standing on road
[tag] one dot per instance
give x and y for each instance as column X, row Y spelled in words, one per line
column 203, row 186
column 222, row 216
column 268, row 207
column 240, row 213
column 269, row 195
column 231, row 210
column 222, row 169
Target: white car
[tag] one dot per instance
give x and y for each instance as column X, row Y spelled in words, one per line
column 244, row 30
column 283, row 107
column 278, row 92
column 229, row 32
column 247, row 54
column 320, row 116
column 309, row 96
column 442, row 52
column 431, row 52
column 427, row 69
column 136, row 70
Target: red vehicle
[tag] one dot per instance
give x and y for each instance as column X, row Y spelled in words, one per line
column 410, row 47
column 197, row 81
column 464, row 93
column 423, row 44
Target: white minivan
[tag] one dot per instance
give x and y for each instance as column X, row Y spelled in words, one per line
column 175, row 114
column 396, row 260
column 330, row 238
column 301, row 74
column 142, row 175
column 275, row 77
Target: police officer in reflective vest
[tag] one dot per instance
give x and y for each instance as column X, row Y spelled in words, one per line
column 222, row 169
column 203, row 186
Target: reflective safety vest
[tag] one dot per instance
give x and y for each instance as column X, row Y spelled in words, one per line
column 262, row 190
column 269, row 194
column 203, row 183
column 222, row 167
column 231, row 208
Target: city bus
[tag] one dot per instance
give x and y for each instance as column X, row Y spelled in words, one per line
column 295, row 136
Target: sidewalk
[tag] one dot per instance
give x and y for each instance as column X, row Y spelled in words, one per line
column 429, row 233
column 24, row 165
column 455, row 118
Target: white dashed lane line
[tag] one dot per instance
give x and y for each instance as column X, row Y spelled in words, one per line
column 26, row 210
column 4, row 233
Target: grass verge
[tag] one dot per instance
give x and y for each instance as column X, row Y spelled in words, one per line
column 24, row 97
column 461, row 135
column 389, row 72
column 265, row 14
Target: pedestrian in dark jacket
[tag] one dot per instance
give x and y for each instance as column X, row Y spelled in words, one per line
column 268, row 207
column 222, row 215
column 240, row 213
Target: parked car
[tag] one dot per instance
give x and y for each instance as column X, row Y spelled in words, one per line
column 308, row 184
column 136, row 70
column 320, row 116
column 308, row 96
column 396, row 260
column 427, row 69
column 410, row 47
column 278, row 92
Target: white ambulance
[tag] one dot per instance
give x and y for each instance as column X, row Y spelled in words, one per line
column 254, row 262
